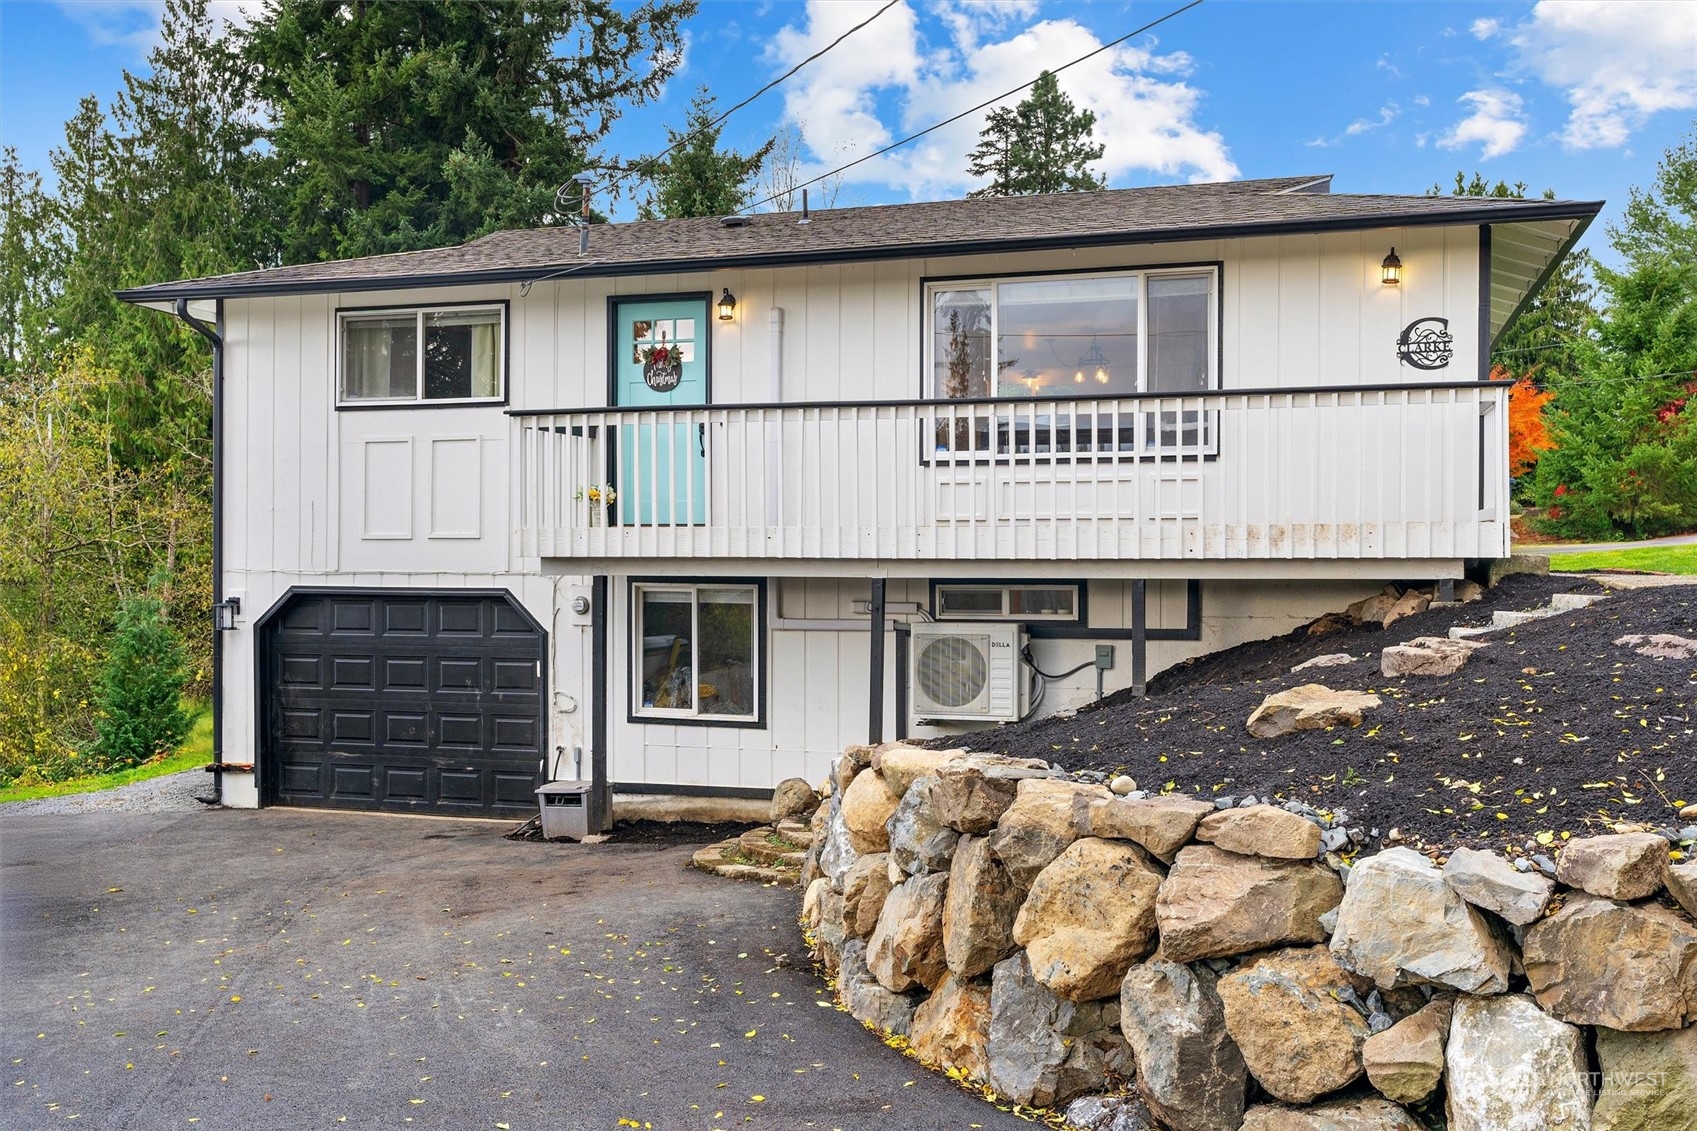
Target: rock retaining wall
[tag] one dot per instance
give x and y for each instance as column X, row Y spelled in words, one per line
column 1162, row 962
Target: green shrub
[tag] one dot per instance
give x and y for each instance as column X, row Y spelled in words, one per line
column 140, row 690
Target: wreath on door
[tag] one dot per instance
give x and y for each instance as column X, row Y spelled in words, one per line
column 662, row 367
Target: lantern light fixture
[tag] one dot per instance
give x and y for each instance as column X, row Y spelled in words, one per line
column 1391, row 270
column 727, row 306
column 224, row 613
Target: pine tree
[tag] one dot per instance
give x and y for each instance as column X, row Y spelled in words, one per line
column 140, row 690
column 404, row 126
column 698, row 178
column 1041, row 145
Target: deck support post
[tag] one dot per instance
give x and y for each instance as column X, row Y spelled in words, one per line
column 1139, row 637
column 904, row 641
column 601, row 792
column 875, row 680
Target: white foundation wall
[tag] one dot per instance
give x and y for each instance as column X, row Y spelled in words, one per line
column 817, row 676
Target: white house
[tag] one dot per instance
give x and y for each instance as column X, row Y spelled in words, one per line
column 685, row 506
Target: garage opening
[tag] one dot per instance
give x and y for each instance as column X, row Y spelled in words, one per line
column 402, row 700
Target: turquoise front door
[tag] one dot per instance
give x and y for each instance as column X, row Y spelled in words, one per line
column 660, row 359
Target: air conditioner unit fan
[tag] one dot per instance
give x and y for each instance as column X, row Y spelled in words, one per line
column 968, row 672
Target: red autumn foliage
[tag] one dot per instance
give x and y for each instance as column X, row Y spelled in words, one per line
column 1527, row 437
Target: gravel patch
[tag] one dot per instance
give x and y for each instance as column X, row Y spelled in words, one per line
column 173, row 793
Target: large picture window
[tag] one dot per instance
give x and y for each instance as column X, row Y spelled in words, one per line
column 1074, row 335
column 697, row 652
column 441, row 355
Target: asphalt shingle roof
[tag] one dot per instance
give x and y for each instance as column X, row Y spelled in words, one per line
column 1141, row 215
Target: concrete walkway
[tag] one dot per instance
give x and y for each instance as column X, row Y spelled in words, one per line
column 1595, row 547
column 301, row 970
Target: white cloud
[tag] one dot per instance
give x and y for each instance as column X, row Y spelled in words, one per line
column 1387, row 114
column 1617, row 61
column 1496, row 123
column 134, row 24
column 887, row 82
column 1484, row 29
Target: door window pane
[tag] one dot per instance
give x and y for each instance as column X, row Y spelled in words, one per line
column 461, row 355
column 960, row 328
column 1067, row 335
column 1178, row 333
column 381, row 358
column 726, row 686
column 668, row 655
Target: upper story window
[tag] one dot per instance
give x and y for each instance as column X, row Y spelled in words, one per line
column 1100, row 334
column 431, row 354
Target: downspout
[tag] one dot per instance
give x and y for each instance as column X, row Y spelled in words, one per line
column 775, row 394
column 216, row 337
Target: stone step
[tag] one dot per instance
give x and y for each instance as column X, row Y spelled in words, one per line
column 759, row 845
column 1506, row 618
column 796, row 832
column 1460, row 632
column 1567, row 602
column 727, row 859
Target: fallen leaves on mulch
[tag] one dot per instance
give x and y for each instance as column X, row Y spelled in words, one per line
column 1550, row 732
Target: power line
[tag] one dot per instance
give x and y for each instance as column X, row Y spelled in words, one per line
column 650, row 162
column 974, row 109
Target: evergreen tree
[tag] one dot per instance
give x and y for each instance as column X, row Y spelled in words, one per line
column 140, row 691
column 404, row 126
column 697, row 178
column 28, row 264
column 1041, row 145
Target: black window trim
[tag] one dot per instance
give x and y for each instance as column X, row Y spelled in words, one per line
column 1080, row 611
column 762, row 638
column 505, row 307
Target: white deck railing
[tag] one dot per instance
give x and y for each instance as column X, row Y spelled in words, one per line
column 1397, row 472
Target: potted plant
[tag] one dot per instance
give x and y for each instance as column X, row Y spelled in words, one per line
column 599, row 495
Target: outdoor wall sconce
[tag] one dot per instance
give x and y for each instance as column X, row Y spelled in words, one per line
column 727, row 306
column 224, row 613
column 1392, row 270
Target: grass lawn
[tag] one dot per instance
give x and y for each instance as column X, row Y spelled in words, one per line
column 197, row 751
column 1651, row 559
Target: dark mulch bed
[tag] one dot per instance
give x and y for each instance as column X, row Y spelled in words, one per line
column 1551, row 729
column 671, row 834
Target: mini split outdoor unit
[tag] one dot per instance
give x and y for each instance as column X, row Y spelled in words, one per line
column 968, row 672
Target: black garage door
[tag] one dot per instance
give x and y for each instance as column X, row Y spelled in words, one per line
column 402, row 701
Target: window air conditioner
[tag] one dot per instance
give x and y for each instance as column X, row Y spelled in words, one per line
column 968, row 672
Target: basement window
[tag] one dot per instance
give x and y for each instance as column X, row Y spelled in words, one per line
column 697, row 652
column 434, row 355
column 1007, row 602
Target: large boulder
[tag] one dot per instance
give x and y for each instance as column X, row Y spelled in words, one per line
column 1627, row 967
column 1427, row 655
column 1682, row 885
column 830, row 936
column 1400, row 924
column 1162, row 825
column 952, row 1028
column 1110, row 1113
column 1298, row 1038
column 1215, row 904
column 1189, row 1069
column 973, row 790
column 1406, row 1061
column 793, row 800
column 1089, row 916
column 865, row 888
column 837, row 852
column 1339, row 1115
column 869, row 1002
column 1649, row 1081
column 1311, row 706
column 868, row 805
column 979, row 911
column 850, row 762
column 1045, row 817
column 919, row 842
column 901, row 766
column 1622, row 866
column 906, row 947
column 1261, row 830
column 1045, row 1050
column 1511, row 1067
column 1486, row 880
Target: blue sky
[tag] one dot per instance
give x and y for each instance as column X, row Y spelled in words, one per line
column 1582, row 97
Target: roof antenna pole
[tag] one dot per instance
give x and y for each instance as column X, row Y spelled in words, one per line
column 804, row 217
column 584, row 180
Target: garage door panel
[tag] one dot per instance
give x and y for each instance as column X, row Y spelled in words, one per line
column 404, row 702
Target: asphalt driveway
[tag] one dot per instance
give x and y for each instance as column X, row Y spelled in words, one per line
column 296, row 970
